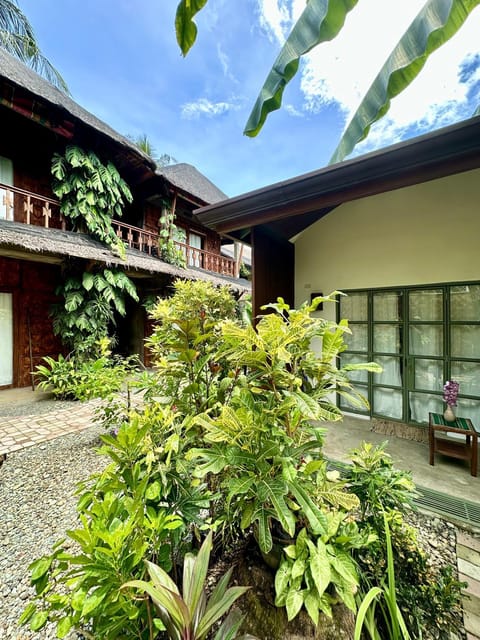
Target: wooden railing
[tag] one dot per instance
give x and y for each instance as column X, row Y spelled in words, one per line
column 19, row 205
column 24, row 206
column 147, row 241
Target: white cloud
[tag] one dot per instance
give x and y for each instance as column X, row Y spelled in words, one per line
column 204, row 107
column 225, row 64
column 293, row 111
column 276, row 18
column 340, row 72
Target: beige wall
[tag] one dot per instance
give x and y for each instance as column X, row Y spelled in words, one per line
column 429, row 233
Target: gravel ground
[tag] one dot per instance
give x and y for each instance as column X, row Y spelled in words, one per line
column 37, row 506
column 45, row 405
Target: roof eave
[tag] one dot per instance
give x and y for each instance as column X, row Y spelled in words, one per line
column 444, row 152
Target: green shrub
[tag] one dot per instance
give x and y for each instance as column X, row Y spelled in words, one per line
column 190, row 615
column 429, row 597
column 126, row 516
column 74, row 379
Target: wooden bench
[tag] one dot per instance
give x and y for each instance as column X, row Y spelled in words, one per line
column 455, row 448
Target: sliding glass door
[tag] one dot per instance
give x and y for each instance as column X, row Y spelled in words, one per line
column 421, row 336
column 6, row 339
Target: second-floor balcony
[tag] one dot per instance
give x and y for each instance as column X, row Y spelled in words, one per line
column 20, row 205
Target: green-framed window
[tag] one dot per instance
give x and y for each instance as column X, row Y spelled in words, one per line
column 421, row 336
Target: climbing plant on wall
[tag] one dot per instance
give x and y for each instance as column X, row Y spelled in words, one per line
column 90, row 303
column 91, row 194
column 168, row 235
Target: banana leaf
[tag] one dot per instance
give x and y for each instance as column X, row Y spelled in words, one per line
column 436, row 23
column 320, row 21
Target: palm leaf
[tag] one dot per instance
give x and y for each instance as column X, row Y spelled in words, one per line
column 436, row 23
column 18, row 38
column 320, row 21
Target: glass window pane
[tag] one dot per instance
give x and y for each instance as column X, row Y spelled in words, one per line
column 426, row 340
column 468, row 375
column 354, row 306
column 391, row 373
column 422, row 403
column 465, row 302
column 388, row 402
column 356, row 376
column 387, row 306
column 465, row 341
column 469, row 409
column 386, row 338
column 426, row 305
column 358, row 339
column 429, row 374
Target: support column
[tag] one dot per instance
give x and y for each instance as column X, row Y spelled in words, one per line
column 273, row 268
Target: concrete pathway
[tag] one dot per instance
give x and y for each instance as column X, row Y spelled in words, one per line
column 448, row 475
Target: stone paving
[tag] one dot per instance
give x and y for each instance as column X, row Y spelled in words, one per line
column 18, row 432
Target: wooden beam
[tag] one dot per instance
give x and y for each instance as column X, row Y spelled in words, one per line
column 273, row 264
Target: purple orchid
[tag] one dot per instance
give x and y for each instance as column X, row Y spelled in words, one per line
column 450, row 392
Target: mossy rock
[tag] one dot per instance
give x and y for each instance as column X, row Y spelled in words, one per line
column 268, row 622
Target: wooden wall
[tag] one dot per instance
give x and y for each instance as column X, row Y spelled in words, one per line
column 211, row 243
column 32, row 285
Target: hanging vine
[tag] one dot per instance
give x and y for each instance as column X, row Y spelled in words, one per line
column 91, row 194
column 168, row 236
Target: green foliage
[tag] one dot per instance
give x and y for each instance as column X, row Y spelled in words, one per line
column 262, row 446
column 428, row 597
column 320, row 21
column 184, row 343
column 394, row 623
column 70, row 378
column 185, row 27
column 191, row 616
column 378, row 485
column 245, row 272
column 317, row 572
column 434, row 25
column 90, row 193
column 18, row 38
column 228, row 439
column 90, row 301
column 168, row 235
column 126, row 515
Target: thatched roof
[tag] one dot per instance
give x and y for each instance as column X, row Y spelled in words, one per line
column 19, row 75
column 187, row 178
column 53, row 245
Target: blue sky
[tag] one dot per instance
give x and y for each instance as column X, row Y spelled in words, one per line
column 121, row 62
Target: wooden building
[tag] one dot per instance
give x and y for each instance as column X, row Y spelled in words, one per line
column 36, row 244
